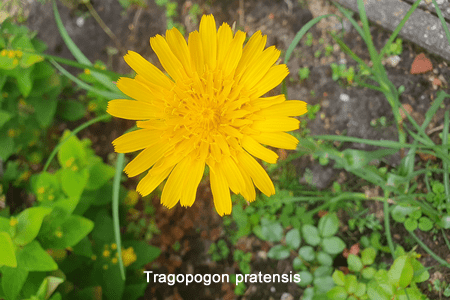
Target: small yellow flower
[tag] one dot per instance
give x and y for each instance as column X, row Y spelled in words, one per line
column 94, row 257
column 12, row 133
column 114, row 260
column 132, row 198
column 209, row 111
column 70, row 161
column 13, row 222
column 59, row 233
column 74, row 168
column 106, row 253
column 11, row 53
column 19, row 53
column 3, row 52
column 113, row 246
column 87, row 71
column 128, row 256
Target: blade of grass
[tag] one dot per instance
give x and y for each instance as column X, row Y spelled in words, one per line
column 75, row 64
column 445, row 164
column 443, row 22
column 434, row 107
column 82, row 84
column 387, row 228
column 429, row 251
column 115, row 211
column 347, row 50
column 296, row 40
column 76, row 52
column 347, row 14
column 74, row 132
column 399, row 27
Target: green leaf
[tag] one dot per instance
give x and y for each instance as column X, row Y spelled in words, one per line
column 376, row 293
column 425, row 224
column 337, row 293
column 145, row 253
column 33, row 258
column 278, row 252
column 368, row 273
column 7, row 63
column 72, row 152
column 354, row 263
column 339, row 277
column 401, row 272
column 112, row 284
column 333, row 245
column 272, row 231
column 29, row 223
column 7, row 253
column 12, row 281
column 307, row 253
column 45, row 109
column 83, row 248
column 323, row 284
column 6, row 146
column 421, row 274
column 311, row 235
column 399, row 212
column 368, row 256
column 29, row 59
column 297, row 263
column 328, row 225
column 4, row 117
column 24, row 81
column 74, row 182
column 70, row 233
column 293, row 238
column 324, row 259
column 306, row 278
column 134, row 291
column 323, row 271
column 411, row 224
column 48, row 286
column 351, row 284
column 360, row 289
column 71, row 110
column 99, row 174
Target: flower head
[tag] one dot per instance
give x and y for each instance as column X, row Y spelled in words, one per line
column 208, row 111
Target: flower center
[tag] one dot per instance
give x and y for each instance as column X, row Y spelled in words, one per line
column 208, row 118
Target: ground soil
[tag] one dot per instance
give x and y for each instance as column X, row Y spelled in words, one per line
column 197, row 227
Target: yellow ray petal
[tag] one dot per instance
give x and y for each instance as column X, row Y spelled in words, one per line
column 234, row 53
column 179, row 47
column 196, row 52
column 143, row 67
column 268, row 101
column 286, row 109
column 252, row 50
column 254, row 72
column 192, row 181
column 136, row 140
column 147, row 158
column 134, row 89
column 152, row 180
column 224, row 38
column 276, row 124
column 221, row 192
column 249, row 192
column 231, row 171
column 257, row 173
column 277, row 139
column 257, row 150
column 273, row 77
column 208, row 35
column 168, row 60
column 174, row 187
column 132, row 110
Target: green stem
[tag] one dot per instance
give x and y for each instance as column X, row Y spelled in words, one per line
column 115, row 211
column 387, row 228
column 74, row 132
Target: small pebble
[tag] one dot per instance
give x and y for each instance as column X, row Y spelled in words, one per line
column 80, row 21
column 287, row 296
column 344, row 97
column 273, row 289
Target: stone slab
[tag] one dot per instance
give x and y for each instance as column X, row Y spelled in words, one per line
column 422, row 28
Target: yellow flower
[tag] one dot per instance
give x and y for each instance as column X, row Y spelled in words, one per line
column 128, row 256
column 210, row 111
column 13, row 222
column 106, row 253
